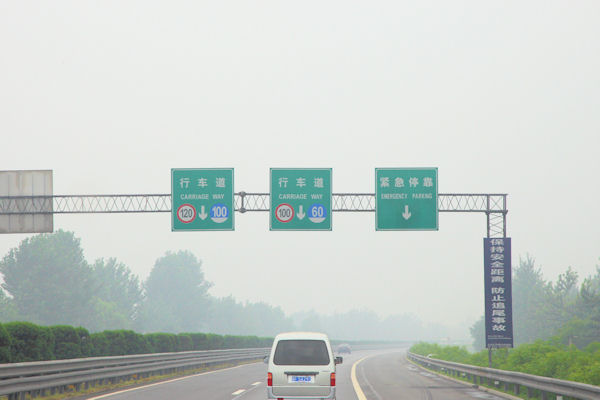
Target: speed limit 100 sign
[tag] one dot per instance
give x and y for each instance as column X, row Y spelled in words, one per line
column 284, row 213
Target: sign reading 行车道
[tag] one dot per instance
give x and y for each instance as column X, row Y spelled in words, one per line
column 300, row 199
column 406, row 199
column 202, row 199
column 498, row 293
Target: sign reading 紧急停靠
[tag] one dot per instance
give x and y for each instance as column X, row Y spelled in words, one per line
column 406, row 199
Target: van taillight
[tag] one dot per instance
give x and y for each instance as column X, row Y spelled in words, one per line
column 269, row 379
column 332, row 379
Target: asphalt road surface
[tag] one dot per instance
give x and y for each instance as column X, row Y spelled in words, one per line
column 380, row 375
column 390, row 376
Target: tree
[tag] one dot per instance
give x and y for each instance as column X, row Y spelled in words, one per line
column 117, row 295
column 529, row 297
column 478, row 334
column 49, row 280
column 176, row 298
column 559, row 306
column 228, row 316
column 588, row 300
column 7, row 308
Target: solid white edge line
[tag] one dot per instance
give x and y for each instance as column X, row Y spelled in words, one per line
column 163, row 382
column 357, row 389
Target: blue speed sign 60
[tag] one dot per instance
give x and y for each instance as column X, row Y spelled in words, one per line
column 317, row 213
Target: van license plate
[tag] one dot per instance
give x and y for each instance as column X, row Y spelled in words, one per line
column 301, row 379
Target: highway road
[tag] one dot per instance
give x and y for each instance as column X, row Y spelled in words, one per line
column 379, row 375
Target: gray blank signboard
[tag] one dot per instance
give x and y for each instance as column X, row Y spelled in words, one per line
column 17, row 189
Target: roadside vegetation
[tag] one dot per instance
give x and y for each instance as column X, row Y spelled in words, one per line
column 46, row 280
column 24, row 341
column 556, row 328
column 549, row 358
column 566, row 310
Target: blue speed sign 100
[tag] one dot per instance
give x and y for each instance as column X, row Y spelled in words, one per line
column 219, row 213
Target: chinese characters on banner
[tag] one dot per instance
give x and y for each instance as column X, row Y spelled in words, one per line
column 498, row 293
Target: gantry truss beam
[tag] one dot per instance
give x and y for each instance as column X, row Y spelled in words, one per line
column 140, row 203
column 493, row 205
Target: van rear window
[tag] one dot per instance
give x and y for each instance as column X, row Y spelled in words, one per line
column 301, row 352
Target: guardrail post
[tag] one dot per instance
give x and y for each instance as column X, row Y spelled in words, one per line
column 529, row 393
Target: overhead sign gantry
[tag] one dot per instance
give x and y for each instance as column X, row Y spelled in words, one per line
column 404, row 199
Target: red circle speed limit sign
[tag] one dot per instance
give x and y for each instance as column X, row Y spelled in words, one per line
column 186, row 213
column 284, row 213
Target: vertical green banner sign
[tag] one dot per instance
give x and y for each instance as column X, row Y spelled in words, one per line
column 202, row 199
column 406, row 199
column 300, row 199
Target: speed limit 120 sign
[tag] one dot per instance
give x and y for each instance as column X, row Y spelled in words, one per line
column 300, row 199
column 186, row 213
column 202, row 199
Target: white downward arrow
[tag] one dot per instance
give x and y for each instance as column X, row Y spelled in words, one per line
column 406, row 214
column 202, row 214
column 301, row 214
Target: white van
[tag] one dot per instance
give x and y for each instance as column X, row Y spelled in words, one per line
column 301, row 366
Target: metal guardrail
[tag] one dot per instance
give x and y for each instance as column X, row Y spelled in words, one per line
column 518, row 380
column 42, row 377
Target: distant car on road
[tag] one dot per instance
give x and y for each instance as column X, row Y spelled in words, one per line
column 344, row 348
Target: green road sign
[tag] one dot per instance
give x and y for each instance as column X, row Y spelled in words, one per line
column 202, row 199
column 406, row 199
column 300, row 199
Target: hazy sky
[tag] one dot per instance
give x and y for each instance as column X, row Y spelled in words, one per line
column 502, row 97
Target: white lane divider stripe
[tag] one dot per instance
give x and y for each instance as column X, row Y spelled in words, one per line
column 164, row 382
column 243, row 392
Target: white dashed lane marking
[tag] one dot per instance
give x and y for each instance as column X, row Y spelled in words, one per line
column 238, row 392
column 256, row 383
